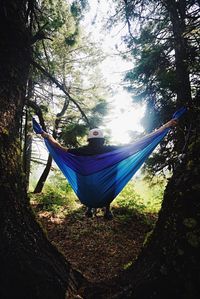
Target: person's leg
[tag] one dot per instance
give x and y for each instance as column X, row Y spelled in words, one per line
column 108, row 214
column 88, row 213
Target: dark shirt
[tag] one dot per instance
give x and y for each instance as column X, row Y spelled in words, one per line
column 89, row 150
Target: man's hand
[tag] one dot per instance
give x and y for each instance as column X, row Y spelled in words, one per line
column 53, row 141
column 45, row 134
column 172, row 123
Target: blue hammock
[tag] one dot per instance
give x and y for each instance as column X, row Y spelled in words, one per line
column 98, row 179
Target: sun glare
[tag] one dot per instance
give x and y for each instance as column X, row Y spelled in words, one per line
column 124, row 117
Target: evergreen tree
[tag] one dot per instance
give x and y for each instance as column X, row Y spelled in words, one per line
column 163, row 42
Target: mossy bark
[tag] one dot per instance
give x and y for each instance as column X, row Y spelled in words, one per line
column 31, row 267
column 169, row 263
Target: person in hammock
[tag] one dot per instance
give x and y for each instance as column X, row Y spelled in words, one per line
column 96, row 146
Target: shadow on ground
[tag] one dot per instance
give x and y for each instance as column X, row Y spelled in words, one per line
column 100, row 249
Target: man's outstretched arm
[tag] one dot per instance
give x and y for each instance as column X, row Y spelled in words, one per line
column 172, row 123
column 53, row 141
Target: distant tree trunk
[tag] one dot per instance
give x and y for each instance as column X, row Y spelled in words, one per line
column 31, row 267
column 45, row 173
column 27, row 148
column 27, row 158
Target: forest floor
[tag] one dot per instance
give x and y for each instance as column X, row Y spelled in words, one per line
column 100, row 249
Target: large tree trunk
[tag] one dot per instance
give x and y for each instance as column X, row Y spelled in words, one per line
column 30, row 266
column 169, row 264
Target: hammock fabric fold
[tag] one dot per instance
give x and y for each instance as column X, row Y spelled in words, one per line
column 98, row 179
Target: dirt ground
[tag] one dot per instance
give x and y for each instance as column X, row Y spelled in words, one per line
column 100, row 249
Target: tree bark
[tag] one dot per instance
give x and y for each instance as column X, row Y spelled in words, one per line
column 27, row 158
column 27, row 148
column 177, row 12
column 44, row 175
column 169, row 263
column 31, row 267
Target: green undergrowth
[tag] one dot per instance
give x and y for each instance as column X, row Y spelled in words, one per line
column 141, row 196
column 56, row 196
column 137, row 199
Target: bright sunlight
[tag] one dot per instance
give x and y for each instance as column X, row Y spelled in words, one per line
column 124, row 116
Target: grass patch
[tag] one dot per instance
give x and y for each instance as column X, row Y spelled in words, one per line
column 57, row 197
column 137, row 199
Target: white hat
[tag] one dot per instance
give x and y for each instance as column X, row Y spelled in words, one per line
column 95, row 133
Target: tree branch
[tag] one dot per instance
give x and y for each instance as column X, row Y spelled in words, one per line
column 38, row 111
column 61, row 86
